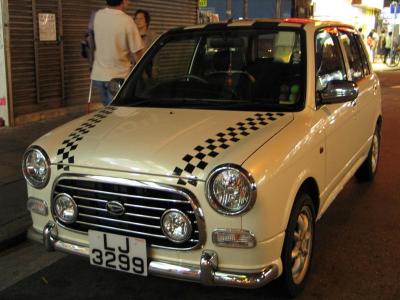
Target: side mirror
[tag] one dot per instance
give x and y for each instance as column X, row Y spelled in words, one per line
column 115, row 85
column 338, row 91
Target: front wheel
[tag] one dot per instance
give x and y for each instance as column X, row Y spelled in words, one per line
column 367, row 170
column 298, row 245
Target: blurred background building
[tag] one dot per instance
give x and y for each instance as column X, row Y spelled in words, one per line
column 42, row 74
column 360, row 13
column 242, row 9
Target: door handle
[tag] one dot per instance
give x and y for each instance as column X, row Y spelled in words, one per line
column 375, row 88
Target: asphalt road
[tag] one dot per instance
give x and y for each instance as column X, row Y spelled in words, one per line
column 356, row 255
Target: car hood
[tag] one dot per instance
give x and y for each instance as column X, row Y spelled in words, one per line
column 170, row 142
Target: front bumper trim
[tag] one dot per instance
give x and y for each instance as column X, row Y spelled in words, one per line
column 206, row 272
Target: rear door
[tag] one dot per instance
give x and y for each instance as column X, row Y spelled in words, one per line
column 368, row 84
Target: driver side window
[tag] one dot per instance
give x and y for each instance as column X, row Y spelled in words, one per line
column 328, row 59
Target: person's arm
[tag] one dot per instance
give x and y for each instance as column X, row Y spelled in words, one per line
column 138, row 55
column 135, row 41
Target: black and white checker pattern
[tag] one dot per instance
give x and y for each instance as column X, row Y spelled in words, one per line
column 212, row 147
column 65, row 154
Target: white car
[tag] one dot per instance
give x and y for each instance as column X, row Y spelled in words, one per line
column 219, row 153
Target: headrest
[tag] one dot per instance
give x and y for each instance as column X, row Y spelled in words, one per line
column 222, row 60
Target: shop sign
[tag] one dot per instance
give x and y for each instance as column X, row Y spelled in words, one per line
column 47, row 27
column 4, row 117
column 394, row 8
column 378, row 4
column 203, row 3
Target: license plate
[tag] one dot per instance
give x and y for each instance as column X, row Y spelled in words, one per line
column 118, row 252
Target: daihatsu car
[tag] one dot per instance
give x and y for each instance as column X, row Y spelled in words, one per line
column 218, row 154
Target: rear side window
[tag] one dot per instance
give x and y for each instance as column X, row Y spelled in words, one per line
column 328, row 59
column 353, row 55
column 364, row 56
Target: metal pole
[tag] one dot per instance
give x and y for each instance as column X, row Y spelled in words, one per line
column 89, row 96
column 278, row 9
column 61, row 49
column 245, row 9
column 36, row 49
column 228, row 9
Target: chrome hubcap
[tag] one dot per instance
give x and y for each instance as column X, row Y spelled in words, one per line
column 302, row 245
column 374, row 152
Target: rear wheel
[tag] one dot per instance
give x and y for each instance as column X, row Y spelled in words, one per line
column 392, row 60
column 367, row 170
column 298, row 245
column 396, row 59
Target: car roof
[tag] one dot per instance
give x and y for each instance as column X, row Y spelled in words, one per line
column 265, row 23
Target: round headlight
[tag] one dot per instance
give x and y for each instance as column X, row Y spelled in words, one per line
column 36, row 167
column 176, row 226
column 231, row 190
column 65, row 208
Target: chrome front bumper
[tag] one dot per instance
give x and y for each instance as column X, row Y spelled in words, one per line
column 206, row 272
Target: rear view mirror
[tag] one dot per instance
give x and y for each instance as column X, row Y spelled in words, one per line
column 338, row 91
column 115, row 85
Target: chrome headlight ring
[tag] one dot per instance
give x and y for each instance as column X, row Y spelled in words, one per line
column 231, row 190
column 36, row 167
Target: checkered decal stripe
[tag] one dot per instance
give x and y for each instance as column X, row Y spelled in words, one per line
column 211, row 148
column 65, row 155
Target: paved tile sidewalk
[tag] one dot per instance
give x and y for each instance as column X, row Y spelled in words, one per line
column 381, row 67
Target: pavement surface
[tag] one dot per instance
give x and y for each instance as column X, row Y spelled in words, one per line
column 14, row 217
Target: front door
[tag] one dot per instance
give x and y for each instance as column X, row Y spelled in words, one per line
column 340, row 117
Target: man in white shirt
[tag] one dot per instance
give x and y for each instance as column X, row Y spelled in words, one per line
column 116, row 38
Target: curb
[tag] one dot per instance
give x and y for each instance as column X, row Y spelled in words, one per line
column 15, row 231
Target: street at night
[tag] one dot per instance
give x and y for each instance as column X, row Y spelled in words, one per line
column 199, row 149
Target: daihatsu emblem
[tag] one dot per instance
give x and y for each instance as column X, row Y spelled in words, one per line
column 115, row 208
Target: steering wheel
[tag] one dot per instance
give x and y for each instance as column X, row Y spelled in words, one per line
column 195, row 77
column 246, row 74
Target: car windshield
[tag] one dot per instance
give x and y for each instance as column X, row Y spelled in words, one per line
column 229, row 69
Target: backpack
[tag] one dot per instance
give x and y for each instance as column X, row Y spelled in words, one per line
column 88, row 45
column 370, row 41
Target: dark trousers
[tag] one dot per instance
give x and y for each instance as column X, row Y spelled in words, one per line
column 387, row 52
column 102, row 89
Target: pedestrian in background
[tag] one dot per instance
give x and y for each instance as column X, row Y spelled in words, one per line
column 388, row 45
column 142, row 20
column 381, row 44
column 116, row 38
column 361, row 34
column 372, row 42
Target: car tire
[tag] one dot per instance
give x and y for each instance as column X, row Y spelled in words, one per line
column 367, row 171
column 298, row 245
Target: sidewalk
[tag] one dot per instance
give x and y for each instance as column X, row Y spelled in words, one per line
column 381, row 67
column 14, row 217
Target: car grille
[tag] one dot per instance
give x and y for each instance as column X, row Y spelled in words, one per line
column 144, row 205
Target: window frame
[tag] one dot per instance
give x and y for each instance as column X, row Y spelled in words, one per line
column 251, row 30
column 338, row 47
column 351, row 33
column 364, row 55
